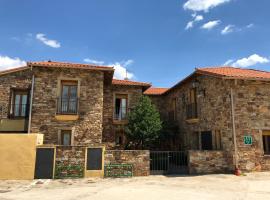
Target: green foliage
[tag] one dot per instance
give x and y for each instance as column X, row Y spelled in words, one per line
column 68, row 171
column 144, row 124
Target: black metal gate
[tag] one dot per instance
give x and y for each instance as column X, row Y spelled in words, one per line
column 168, row 162
column 44, row 163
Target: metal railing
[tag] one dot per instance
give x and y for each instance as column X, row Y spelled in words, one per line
column 19, row 110
column 67, row 106
column 120, row 113
column 192, row 111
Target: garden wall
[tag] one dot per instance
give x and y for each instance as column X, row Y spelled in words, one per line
column 207, row 162
column 70, row 161
column 139, row 159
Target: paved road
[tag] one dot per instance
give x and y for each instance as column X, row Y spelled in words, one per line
column 227, row 187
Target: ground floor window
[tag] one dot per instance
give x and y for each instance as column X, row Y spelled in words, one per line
column 119, row 136
column 206, row 140
column 65, row 137
column 211, row 140
column 266, row 142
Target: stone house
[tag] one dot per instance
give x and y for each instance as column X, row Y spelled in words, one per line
column 71, row 104
column 222, row 113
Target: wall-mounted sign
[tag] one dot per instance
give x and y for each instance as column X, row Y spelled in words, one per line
column 248, row 140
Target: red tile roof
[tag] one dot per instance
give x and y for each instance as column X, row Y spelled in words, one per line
column 13, row 70
column 233, row 72
column 155, row 91
column 131, row 83
column 70, row 65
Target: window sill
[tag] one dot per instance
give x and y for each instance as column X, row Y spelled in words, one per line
column 192, row 121
column 115, row 121
column 66, row 117
column 267, row 156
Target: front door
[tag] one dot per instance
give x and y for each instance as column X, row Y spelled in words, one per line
column 44, row 163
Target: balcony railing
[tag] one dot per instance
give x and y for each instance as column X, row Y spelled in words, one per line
column 67, row 106
column 19, row 110
column 192, row 111
column 120, row 113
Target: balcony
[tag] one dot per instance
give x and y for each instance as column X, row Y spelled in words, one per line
column 67, row 109
column 17, row 121
column 120, row 115
column 192, row 112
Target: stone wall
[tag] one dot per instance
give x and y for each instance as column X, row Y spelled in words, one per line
column 109, row 126
column 207, row 162
column 70, row 161
column 140, row 159
column 252, row 116
column 88, row 128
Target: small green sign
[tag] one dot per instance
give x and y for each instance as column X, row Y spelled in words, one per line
column 248, row 140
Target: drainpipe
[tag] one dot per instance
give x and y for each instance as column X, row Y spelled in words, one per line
column 31, row 103
column 234, row 131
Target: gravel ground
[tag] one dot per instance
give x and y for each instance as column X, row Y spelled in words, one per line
column 252, row 186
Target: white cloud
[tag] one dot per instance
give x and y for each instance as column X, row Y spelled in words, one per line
column 189, row 25
column 249, row 61
column 250, row 26
column 51, row 43
column 9, row 63
column 96, row 62
column 197, row 18
column 203, row 5
column 211, row 24
column 228, row 29
column 121, row 71
column 228, row 62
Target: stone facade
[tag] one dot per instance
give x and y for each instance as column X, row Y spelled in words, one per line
column 207, row 162
column 70, row 161
column 139, row 159
column 88, row 128
column 110, row 126
column 252, row 114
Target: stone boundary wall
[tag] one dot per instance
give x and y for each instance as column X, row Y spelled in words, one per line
column 140, row 159
column 70, row 161
column 207, row 162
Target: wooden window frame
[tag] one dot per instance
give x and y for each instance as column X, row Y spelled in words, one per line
column 13, row 93
column 62, row 133
column 68, row 83
column 120, row 96
column 265, row 135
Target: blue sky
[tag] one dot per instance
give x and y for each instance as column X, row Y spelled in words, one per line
column 148, row 37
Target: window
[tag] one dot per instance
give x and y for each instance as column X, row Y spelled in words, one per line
column 19, row 103
column 206, row 140
column 119, row 136
column 68, row 101
column 266, row 142
column 192, row 104
column 65, row 137
column 120, row 107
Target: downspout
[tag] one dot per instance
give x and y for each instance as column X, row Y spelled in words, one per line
column 234, row 131
column 31, row 103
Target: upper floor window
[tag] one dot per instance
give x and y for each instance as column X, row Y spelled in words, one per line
column 120, row 107
column 19, row 103
column 68, row 101
column 192, row 111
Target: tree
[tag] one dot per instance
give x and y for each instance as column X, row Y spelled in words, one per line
column 144, row 124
